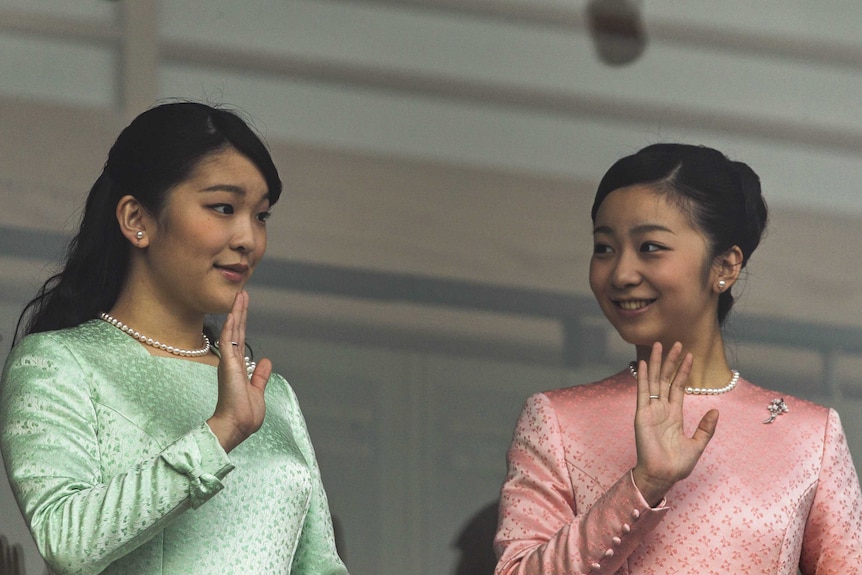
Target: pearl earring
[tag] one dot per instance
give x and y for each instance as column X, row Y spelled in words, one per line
column 721, row 284
column 139, row 235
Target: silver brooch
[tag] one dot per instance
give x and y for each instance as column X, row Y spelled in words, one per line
column 776, row 407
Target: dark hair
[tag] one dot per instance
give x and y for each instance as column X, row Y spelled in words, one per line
column 157, row 151
column 722, row 197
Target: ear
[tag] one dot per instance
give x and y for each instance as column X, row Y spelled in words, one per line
column 133, row 219
column 726, row 268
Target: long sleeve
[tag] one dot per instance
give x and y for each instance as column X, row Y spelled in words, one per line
column 832, row 542
column 316, row 553
column 81, row 519
column 541, row 531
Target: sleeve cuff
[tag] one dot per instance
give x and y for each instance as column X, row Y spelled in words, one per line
column 199, row 456
column 618, row 522
column 644, row 503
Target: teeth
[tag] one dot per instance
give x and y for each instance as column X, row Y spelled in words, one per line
column 634, row 304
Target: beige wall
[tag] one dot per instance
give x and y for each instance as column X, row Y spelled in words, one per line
column 456, row 141
column 411, row 406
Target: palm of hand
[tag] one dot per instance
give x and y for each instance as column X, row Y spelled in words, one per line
column 241, row 406
column 664, row 450
column 241, row 399
column 665, row 454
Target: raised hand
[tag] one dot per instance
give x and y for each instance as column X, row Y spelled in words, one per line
column 665, row 454
column 241, row 407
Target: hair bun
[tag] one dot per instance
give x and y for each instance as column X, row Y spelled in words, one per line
column 753, row 211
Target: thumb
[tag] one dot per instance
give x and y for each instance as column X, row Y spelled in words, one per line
column 706, row 428
column 261, row 374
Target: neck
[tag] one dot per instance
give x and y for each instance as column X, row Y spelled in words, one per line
column 157, row 321
column 710, row 369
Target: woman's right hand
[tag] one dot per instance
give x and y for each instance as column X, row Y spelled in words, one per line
column 241, row 407
column 665, row 454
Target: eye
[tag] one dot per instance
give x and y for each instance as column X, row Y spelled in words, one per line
column 601, row 249
column 650, row 247
column 225, row 209
column 264, row 216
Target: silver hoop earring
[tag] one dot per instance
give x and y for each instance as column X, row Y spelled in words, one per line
column 139, row 235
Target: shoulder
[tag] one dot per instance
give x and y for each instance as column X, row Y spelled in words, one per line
column 277, row 382
column 798, row 422
column 65, row 355
column 45, row 370
column 806, row 410
column 281, row 393
column 48, row 344
column 283, row 409
column 82, row 344
column 617, row 385
column 87, row 334
column 612, row 397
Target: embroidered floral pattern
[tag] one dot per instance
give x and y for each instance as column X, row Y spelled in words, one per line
column 115, row 471
column 763, row 500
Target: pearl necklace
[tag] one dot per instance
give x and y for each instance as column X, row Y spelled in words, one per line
column 150, row 341
column 734, row 378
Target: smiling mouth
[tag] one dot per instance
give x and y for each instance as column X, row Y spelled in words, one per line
column 633, row 304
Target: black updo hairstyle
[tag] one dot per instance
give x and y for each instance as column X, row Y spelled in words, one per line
column 157, row 151
column 722, row 197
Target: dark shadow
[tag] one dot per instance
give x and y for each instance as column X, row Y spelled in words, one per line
column 340, row 546
column 11, row 558
column 617, row 30
column 475, row 543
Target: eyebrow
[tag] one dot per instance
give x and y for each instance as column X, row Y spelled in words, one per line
column 225, row 188
column 639, row 229
column 237, row 190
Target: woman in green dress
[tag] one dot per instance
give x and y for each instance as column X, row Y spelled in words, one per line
column 134, row 438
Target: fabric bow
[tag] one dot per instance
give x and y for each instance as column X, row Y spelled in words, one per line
column 202, row 485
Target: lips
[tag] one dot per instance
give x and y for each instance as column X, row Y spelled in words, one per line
column 233, row 272
column 633, row 304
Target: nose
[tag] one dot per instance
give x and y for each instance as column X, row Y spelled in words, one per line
column 245, row 236
column 625, row 272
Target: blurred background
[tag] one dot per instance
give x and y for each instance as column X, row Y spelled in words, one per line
column 427, row 265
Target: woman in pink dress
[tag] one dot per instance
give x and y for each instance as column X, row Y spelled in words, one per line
column 766, row 488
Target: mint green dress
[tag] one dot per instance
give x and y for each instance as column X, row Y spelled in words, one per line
column 115, row 470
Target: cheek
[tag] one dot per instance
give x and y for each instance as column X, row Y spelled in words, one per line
column 686, row 286
column 699, row 273
column 597, row 276
column 261, row 244
column 190, row 234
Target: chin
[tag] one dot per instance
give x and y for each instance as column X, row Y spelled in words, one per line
column 639, row 341
column 221, row 304
column 638, row 337
column 220, row 310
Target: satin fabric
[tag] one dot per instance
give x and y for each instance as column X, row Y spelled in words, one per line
column 115, row 471
column 765, row 499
